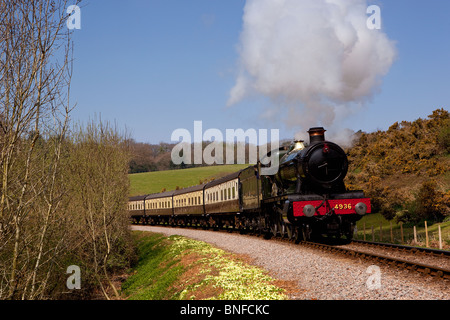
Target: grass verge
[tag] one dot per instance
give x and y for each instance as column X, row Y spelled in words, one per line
column 177, row 268
column 376, row 220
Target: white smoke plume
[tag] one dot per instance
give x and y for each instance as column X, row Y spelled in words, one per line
column 312, row 58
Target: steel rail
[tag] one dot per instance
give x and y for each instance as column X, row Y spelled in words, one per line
column 405, row 264
column 429, row 251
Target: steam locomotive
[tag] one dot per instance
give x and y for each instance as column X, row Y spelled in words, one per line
column 306, row 199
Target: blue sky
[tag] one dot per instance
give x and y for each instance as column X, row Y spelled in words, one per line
column 158, row 65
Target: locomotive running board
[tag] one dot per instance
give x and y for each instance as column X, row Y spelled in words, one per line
column 312, row 197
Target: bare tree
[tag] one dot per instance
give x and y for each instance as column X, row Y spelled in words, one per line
column 99, row 176
column 35, row 70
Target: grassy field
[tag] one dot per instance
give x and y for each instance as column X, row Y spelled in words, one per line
column 376, row 219
column 154, row 182
column 177, row 268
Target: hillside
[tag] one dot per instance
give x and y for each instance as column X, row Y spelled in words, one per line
column 405, row 169
column 153, row 182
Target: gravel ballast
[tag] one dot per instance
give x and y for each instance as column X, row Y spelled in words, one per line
column 320, row 275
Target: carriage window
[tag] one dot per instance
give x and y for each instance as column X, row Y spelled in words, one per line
column 234, row 193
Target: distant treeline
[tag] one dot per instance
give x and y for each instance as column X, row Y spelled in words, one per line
column 147, row 157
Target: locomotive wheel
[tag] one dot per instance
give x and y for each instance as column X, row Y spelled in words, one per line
column 306, row 233
column 289, row 231
column 275, row 228
column 297, row 235
column 261, row 226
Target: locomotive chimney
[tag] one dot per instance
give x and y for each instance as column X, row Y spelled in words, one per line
column 316, row 135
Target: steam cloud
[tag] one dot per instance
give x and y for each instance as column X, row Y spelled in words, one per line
column 312, row 58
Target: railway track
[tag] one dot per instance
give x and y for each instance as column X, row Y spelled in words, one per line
column 431, row 262
column 435, row 263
